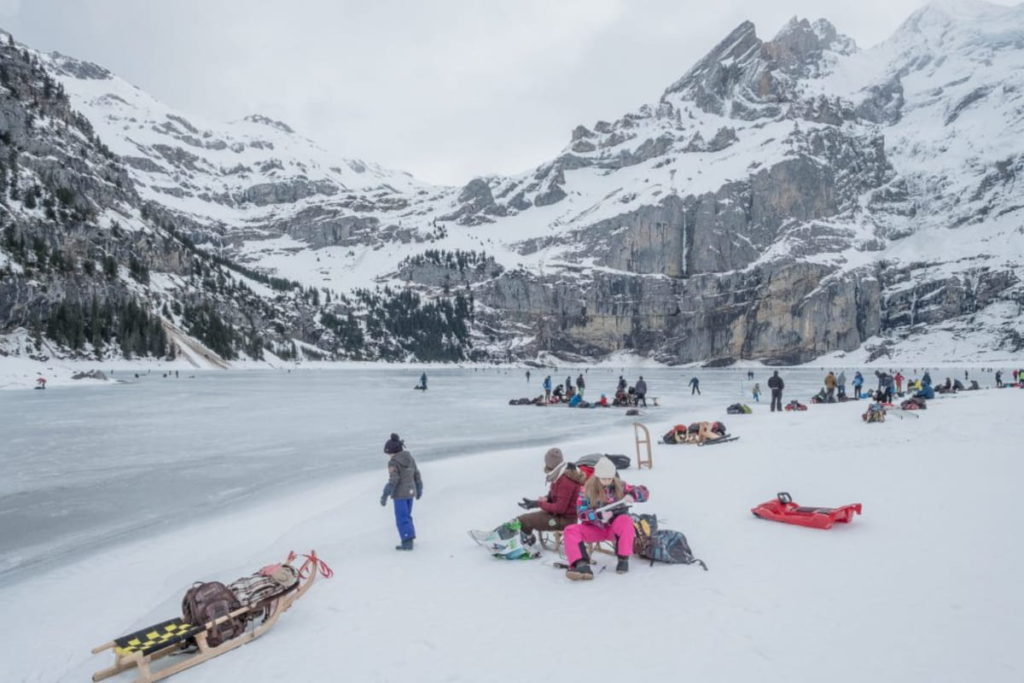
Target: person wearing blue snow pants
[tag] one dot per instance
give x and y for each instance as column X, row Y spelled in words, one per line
column 404, row 484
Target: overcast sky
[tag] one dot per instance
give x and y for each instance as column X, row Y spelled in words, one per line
column 445, row 89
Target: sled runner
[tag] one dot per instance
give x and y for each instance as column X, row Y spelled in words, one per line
column 725, row 439
column 783, row 509
column 145, row 646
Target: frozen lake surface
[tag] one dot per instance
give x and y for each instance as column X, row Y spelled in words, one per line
column 86, row 467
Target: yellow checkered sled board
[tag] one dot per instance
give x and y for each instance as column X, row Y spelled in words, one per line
column 138, row 651
column 156, row 637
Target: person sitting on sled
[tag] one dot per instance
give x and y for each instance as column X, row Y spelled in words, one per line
column 603, row 402
column 596, row 524
column 557, row 509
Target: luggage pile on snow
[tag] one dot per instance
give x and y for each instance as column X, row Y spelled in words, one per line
column 698, row 433
column 874, row 413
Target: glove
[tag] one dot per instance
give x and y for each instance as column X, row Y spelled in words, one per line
column 388, row 490
column 606, row 516
column 628, row 499
column 419, row 491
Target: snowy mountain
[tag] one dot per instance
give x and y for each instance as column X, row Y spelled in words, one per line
column 783, row 200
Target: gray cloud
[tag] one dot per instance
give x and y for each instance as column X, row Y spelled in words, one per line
column 446, row 89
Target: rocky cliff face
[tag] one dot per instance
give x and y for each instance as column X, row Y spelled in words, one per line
column 784, row 199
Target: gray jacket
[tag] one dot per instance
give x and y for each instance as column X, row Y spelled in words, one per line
column 404, row 479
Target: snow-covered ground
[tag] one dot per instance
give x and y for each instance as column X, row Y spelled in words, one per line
column 923, row 587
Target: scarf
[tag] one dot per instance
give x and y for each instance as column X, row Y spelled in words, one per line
column 555, row 473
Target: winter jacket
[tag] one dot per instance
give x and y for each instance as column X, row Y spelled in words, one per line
column 694, row 382
column 926, row 392
column 641, row 388
column 575, row 400
column 927, row 379
column 404, row 479
column 585, row 509
column 858, row 380
column 830, row 381
column 580, row 383
column 841, row 380
column 563, row 494
column 547, row 384
column 775, row 383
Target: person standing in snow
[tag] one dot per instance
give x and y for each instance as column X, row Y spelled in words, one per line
column 547, row 389
column 757, row 392
column 830, row 386
column 858, row 382
column 776, row 384
column 558, row 508
column 580, row 385
column 602, row 489
column 841, row 384
column 898, row 378
column 404, row 484
column 999, row 379
column 694, row 386
column 641, row 391
column 423, row 382
column 527, row 376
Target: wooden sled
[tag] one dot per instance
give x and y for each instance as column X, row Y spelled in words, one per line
column 148, row 645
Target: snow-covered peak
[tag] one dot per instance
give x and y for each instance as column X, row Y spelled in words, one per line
column 224, row 173
column 802, row 36
column 944, row 24
column 76, row 68
column 267, row 121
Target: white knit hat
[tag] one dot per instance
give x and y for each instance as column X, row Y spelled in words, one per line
column 605, row 469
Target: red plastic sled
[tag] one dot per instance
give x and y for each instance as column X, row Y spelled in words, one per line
column 783, row 509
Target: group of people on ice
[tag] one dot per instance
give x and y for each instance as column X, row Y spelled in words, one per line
column 588, row 505
column 573, row 395
column 1018, row 379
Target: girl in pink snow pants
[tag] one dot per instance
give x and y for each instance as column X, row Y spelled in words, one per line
column 603, row 488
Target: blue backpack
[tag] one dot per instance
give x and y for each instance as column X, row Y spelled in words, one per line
column 661, row 545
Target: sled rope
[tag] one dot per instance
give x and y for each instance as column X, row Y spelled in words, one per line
column 312, row 564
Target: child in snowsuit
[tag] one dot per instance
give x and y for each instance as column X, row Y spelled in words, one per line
column 404, row 484
column 757, row 392
column 602, row 488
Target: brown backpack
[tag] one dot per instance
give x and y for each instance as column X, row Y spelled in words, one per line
column 205, row 602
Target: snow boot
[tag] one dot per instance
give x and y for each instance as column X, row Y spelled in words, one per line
column 623, row 566
column 406, row 545
column 580, row 571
